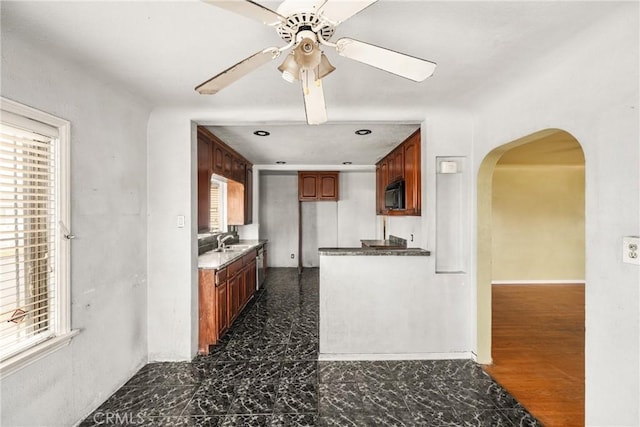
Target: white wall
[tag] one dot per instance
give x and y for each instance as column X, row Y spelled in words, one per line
column 279, row 218
column 108, row 257
column 589, row 88
column 356, row 208
column 324, row 224
column 173, row 253
column 319, row 229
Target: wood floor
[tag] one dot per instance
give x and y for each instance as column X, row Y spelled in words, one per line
column 538, row 349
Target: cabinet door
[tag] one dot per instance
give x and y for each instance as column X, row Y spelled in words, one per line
column 328, row 186
column 238, row 173
column 204, row 201
column 412, row 175
column 379, row 191
column 307, row 186
column 398, row 164
column 233, row 298
column 207, row 321
column 383, row 182
column 218, row 159
column 204, row 153
column 227, row 164
column 204, row 179
column 222, row 309
column 248, row 196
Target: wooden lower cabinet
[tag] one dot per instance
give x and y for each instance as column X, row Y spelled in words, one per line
column 222, row 313
column 222, row 296
column 207, row 319
column 233, row 299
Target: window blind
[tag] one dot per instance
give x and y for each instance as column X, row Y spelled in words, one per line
column 214, row 211
column 27, row 233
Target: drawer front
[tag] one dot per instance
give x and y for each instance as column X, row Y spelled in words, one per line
column 234, row 268
column 221, row 276
column 251, row 256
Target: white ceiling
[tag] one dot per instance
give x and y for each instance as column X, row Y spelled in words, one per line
column 328, row 144
column 160, row 50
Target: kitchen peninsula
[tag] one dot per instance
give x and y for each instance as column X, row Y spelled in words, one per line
column 376, row 304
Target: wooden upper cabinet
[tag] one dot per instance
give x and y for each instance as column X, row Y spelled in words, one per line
column 239, row 170
column 307, row 186
column 216, row 157
column 396, row 171
column 412, row 176
column 328, row 186
column 204, row 178
column 402, row 163
column 315, row 186
column 204, row 153
column 248, row 195
column 227, row 164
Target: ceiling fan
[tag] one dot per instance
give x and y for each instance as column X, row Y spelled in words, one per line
column 306, row 26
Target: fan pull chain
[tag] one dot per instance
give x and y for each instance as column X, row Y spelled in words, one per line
column 306, row 83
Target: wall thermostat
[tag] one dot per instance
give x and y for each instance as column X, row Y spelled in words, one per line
column 447, row 166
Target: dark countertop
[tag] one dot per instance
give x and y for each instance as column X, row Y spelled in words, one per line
column 373, row 252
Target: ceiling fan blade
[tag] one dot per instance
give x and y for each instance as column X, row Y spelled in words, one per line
column 249, row 9
column 338, row 11
column 406, row 66
column 235, row 72
column 314, row 104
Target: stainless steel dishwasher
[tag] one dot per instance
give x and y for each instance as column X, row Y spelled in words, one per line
column 260, row 268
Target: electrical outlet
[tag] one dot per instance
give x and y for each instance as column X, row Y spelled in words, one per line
column 292, row 256
column 631, row 250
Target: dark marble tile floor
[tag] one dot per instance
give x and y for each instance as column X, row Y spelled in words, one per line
column 265, row 372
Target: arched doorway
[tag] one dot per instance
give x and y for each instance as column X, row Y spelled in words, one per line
column 527, row 237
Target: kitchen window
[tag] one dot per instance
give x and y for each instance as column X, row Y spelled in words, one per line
column 34, row 236
column 218, row 206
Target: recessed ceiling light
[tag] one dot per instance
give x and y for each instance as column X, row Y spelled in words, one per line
column 363, row 131
column 261, row 133
column 280, row 162
column 347, row 163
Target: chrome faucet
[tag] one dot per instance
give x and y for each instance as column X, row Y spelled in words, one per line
column 222, row 240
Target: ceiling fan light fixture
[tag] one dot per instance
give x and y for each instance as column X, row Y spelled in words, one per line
column 307, row 54
column 325, row 68
column 290, row 69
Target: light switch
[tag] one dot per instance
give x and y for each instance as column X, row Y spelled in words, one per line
column 631, row 250
column 180, row 221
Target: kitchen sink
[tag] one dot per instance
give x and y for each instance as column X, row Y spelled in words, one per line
column 238, row 247
column 229, row 249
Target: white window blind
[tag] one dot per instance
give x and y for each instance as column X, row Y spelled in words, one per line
column 28, row 259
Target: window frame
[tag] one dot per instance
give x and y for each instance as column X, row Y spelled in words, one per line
column 62, row 333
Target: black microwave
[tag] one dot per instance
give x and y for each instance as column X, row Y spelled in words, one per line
column 394, row 195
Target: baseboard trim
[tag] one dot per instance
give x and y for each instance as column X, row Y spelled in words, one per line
column 394, row 356
column 539, row 282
